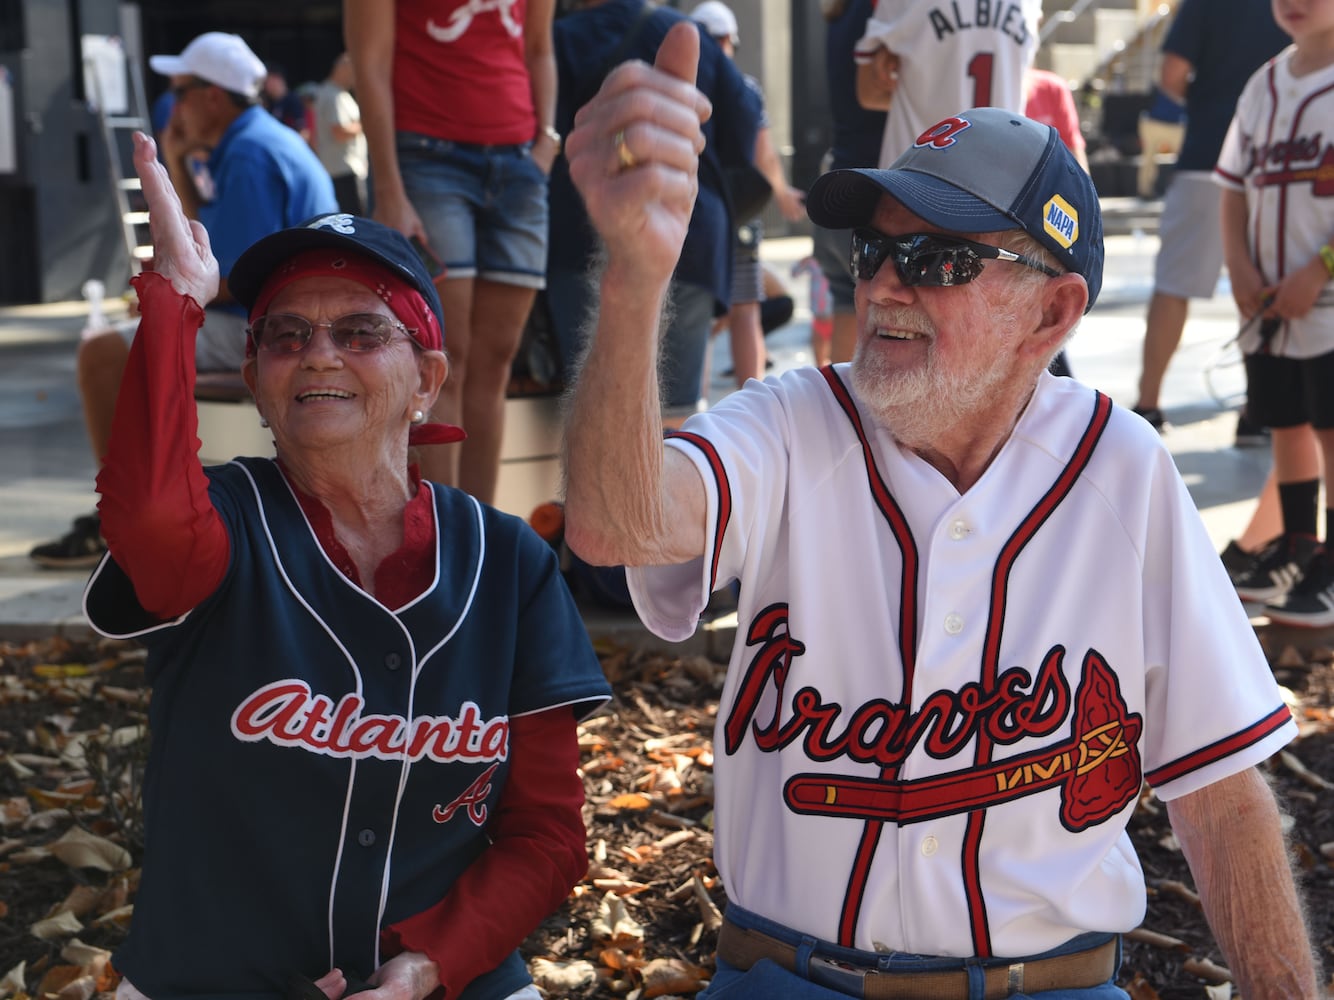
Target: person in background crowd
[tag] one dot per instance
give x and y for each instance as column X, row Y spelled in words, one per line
column 338, row 137
column 922, row 69
column 1211, row 49
column 745, row 328
column 857, row 132
column 591, row 40
column 283, row 103
column 458, row 101
column 1276, row 241
column 1048, row 99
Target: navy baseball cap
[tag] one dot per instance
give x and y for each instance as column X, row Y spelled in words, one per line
column 340, row 231
column 981, row 171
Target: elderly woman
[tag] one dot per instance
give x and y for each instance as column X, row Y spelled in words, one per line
column 365, row 686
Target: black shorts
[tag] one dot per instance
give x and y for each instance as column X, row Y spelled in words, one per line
column 1287, row 392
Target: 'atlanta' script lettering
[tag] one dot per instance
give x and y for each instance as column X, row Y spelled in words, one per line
column 286, row 714
column 881, row 732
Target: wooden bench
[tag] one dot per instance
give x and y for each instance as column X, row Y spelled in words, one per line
column 529, row 451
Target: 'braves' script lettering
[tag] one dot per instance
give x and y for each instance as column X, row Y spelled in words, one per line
column 287, row 714
column 882, row 732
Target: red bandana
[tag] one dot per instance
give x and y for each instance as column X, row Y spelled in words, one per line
column 404, row 301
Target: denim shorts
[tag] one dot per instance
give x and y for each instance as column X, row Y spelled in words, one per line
column 484, row 207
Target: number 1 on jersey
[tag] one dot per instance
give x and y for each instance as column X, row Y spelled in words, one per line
column 979, row 71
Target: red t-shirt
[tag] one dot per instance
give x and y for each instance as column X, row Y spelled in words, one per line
column 459, row 71
column 1051, row 102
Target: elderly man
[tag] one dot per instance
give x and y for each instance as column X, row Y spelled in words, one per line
column 977, row 607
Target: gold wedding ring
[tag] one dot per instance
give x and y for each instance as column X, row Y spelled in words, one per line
column 623, row 154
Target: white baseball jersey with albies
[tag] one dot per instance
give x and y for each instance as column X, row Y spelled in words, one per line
column 1280, row 150
column 953, row 55
column 940, row 708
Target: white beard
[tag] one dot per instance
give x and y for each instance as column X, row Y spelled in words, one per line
column 920, row 405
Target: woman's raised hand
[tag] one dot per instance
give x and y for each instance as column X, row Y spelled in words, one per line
column 181, row 251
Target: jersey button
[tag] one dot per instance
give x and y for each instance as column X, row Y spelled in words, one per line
column 366, row 838
column 959, row 529
column 393, row 661
column 953, row 624
column 929, row 846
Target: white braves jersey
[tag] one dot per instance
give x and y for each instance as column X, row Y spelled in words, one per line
column 1280, row 150
column 953, row 55
column 940, row 708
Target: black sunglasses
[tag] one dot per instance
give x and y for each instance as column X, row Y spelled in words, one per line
column 929, row 258
column 284, row 333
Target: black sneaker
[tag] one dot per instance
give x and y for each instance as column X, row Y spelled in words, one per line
column 1237, row 561
column 1311, row 602
column 81, row 548
column 1153, row 415
column 1277, row 568
column 1249, row 434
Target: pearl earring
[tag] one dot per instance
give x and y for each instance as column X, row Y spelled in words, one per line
column 418, row 416
column 263, row 421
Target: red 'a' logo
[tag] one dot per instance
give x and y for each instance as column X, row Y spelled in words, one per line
column 473, row 799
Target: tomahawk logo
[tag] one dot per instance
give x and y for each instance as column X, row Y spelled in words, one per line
column 1097, row 768
column 341, row 223
column 461, row 19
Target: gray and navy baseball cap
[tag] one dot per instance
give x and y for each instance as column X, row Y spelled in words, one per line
column 981, row 171
column 339, row 231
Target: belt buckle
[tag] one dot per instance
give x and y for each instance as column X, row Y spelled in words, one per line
column 838, row 976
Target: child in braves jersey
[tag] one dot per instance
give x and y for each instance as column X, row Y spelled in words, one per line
column 1277, row 172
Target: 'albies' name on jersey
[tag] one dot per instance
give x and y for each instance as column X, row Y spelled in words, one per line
column 993, row 15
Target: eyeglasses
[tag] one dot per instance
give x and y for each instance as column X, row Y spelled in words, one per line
column 929, row 259
column 181, row 89
column 283, row 333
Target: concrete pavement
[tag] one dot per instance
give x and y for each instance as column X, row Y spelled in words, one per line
column 46, row 471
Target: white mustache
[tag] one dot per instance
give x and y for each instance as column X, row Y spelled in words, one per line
column 898, row 318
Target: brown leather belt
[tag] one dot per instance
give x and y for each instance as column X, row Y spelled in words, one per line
column 741, row 948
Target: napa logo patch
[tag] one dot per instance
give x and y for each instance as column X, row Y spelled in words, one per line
column 1060, row 221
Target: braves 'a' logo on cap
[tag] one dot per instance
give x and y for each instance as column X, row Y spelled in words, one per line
column 340, row 223
column 943, row 134
column 1060, row 221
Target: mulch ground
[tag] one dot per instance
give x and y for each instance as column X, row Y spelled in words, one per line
column 642, row 924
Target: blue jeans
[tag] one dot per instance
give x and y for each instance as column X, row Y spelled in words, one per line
column 484, row 207
column 765, row 979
